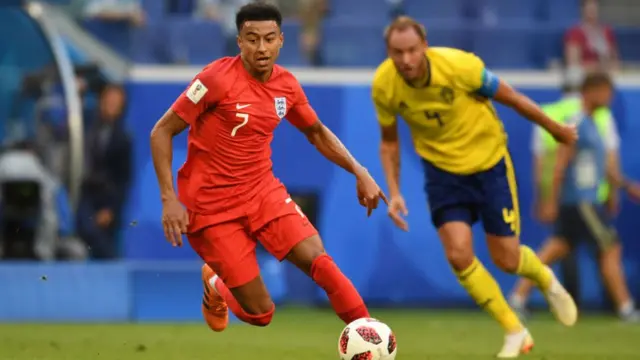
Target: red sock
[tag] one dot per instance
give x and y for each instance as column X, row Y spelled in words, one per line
column 343, row 296
column 236, row 309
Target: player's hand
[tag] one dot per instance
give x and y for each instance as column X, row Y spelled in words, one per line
column 613, row 204
column 369, row 193
column 398, row 209
column 565, row 134
column 633, row 191
column 548, row 212
column 174, row 221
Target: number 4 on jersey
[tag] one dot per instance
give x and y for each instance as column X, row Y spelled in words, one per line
column 245, row 120
column 434, row 115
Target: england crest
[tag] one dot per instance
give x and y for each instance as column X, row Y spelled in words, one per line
column 281, row 106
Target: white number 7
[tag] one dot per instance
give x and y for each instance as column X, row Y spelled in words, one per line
column 245, row 120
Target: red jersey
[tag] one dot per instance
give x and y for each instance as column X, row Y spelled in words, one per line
column 232, row 117
column 596, row 45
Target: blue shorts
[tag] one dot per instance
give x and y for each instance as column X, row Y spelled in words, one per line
column 491, row 196
column 585, row 221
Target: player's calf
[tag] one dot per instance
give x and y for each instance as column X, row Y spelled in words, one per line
column 310, row 257
column 250, row 302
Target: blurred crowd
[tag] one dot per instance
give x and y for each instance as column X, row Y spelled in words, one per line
column 37, row 212
column 39, row 220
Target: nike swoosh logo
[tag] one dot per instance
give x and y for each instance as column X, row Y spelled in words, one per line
column 238, row 106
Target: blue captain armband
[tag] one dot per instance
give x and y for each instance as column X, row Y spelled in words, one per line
column 490, row 83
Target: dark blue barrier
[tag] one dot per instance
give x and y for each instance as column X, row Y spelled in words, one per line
column 387, row 266
column 121, row 291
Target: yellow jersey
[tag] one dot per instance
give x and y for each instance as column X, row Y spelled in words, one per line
column 453, row 123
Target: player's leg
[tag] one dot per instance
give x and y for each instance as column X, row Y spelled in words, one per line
column 605, row 236
column 231, row 276
column 553, row 249
column 452, row 200
column 501, row 220
column 292, row 237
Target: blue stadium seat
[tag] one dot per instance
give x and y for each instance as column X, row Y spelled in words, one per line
column 447, row 11
column 352, row 45
column 628, row 43
column 114, row 34
column 455, row 36
column 510, row 11
column 562, row 12
column 147, row 46
column 376, row 10
column 506, row 47
column 291, row 53
column 194, row 41
column 154, row 9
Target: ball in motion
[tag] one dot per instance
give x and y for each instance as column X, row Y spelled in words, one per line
column 367, row 339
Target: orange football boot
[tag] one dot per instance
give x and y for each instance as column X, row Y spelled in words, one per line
column 214, row 308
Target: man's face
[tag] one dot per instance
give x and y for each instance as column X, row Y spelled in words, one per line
column 407, row 51
column 600, row 95
column 111, row 104
column 260, row 43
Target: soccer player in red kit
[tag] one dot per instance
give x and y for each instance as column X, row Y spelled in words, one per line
column 231, row 195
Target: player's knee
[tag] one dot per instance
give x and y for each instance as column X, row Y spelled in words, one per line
column 258, row 306
column 264, row 318
column 506, row 260
column 459, row 257
column 305, row 253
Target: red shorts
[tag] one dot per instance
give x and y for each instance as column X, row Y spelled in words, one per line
column 230, row 247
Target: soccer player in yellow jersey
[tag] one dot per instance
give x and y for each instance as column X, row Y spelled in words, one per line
column 445, row 95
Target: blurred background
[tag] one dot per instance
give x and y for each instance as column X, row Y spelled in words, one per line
column 83, row 81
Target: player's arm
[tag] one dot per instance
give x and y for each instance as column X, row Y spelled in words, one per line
column 537, row 149
column 612, row 144
column 169, row 125
column 389, row 145
column 305, row 119
column 563, row 157
column 476, row 78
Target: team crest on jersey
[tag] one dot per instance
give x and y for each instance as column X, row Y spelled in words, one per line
column 281, row 106
column 447, row 95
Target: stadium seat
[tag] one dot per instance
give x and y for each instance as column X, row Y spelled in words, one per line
column 351, row 45
column 154, row 9
column 628, row 43
column 146, row 45
column 454, row 35
column 561, row 12
column 291, row 53
column 448, row 11
column 376, row 10
column 194, row 41
column 505, row 47
column 510, row 11
column 114, row 34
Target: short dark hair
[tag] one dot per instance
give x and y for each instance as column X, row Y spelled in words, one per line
column 596, row 79
column 402, row 23
column 258, row 11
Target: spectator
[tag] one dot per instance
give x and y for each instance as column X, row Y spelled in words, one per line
column 116, row 11
column 591, row 46
column 104, row 189
column 224, row 12
column 53, row 228
column 311, row 14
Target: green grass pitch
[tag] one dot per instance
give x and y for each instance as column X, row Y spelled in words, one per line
column 305, row 334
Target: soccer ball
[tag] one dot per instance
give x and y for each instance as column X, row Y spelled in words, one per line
column 367, row 339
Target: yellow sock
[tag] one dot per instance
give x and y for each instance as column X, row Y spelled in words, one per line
column 484, row 289
column 533, row 269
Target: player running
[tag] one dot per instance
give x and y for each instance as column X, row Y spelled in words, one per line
column 444, row 96
column 231, row 195
column 582, row 200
